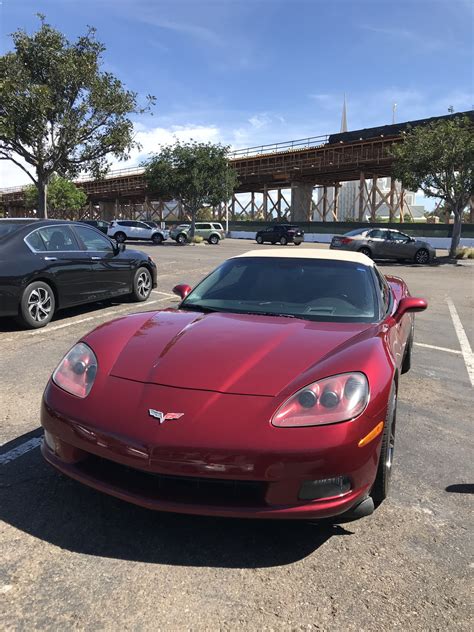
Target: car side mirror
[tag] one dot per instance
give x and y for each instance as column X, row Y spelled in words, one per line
column 119, row 248
column 409, row 304
column 182, row 290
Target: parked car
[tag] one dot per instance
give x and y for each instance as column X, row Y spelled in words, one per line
column 212, row 232
column 46, row 265
column 124, row 229
column 385, row 243
column 270, row 392
column 280, row 233
column 100, row 224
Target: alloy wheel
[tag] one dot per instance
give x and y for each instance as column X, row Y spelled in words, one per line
column 144, row 284
column 422, row 256
column 39, row 304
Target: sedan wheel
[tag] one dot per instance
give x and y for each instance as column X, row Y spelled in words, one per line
column 422, row 256
column 142, row 285
column 259, row 240
column 37, row 305
column 384, row 472
column 366, row 251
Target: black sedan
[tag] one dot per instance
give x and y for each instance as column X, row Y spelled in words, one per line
column 46, row 265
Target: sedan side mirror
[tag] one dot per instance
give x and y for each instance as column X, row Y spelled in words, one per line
column 182, row 290
column 409, row 304
column 119, row 248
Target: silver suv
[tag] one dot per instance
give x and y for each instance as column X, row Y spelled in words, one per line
column 213, row 232
column 124, row 229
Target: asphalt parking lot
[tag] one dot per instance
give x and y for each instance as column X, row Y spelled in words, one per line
column 73, row 558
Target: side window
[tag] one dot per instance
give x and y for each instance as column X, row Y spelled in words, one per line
column 400, row 237
column 378, row 233
column 93, row 240
column 384, row 290
column 217, row 227
column 203, row 226
column 58, row 238
column 141, row 225
column 35, row 242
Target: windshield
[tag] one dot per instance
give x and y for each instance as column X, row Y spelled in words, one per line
column 358, row 231
column 312, row 289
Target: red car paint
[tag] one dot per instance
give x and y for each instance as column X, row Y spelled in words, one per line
column 227, row 374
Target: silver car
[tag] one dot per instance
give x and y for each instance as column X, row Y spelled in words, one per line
column 385, row 243
column 212, row 232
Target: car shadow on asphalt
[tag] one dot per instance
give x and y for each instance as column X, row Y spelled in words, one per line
column 11, row 325
column 41, row 502
column 461, row 488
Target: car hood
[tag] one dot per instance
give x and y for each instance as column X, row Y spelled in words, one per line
column 228, row 353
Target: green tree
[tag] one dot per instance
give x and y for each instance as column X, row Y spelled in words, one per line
column 196, row 174
column 59, row 113
column 438, row 158
column 62, row 195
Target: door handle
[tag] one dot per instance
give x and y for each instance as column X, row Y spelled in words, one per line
column 96, row 258
column 50, row 258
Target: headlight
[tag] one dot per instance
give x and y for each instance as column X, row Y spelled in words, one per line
column 77, row 370
column 328, row 401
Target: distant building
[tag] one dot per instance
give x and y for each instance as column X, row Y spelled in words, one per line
column 349, row 203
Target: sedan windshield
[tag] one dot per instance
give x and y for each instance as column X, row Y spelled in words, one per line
column 312, row 289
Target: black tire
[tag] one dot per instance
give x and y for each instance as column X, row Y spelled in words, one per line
column 120, row 237
column 37, row 305
column 381, row 485
column 259, row 239
column 283, row 241
column 213, row 240
column 142, row 285
column 157, row 238
column 366, row 251
column 422, row 256
column 297, row 243
column 181, row 239
column 406, row 366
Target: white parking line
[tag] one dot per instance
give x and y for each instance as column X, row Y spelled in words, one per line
column 422, row 344
column 463, row 341
column 21, row 449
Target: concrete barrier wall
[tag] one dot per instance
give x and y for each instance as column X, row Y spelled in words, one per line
column 442, row 243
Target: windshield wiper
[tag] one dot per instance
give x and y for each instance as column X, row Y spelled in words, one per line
column 199, row 308
column 276, row 314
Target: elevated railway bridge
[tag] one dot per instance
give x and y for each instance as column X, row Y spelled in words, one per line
column 279, row 181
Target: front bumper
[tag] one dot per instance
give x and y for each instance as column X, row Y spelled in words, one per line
column 200, row 474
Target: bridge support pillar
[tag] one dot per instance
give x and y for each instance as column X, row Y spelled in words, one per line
column 301, row 201
column 108, row 211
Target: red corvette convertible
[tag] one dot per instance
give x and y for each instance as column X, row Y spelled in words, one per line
column 270, row 392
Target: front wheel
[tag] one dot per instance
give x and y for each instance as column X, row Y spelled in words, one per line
column 381, row 485
column 422, row 256
column 259, row 239
column 142, row 285
column 37, row 305
column 157, row 239
column 283, row 241
column 297, row 243
column 214, row 240
column 181, row 239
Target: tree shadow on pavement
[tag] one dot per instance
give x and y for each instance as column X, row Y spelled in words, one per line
column 41, row 502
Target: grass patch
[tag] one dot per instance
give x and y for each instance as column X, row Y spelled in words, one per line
column 465, row 253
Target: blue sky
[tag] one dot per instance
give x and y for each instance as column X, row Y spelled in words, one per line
column 247, row 72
